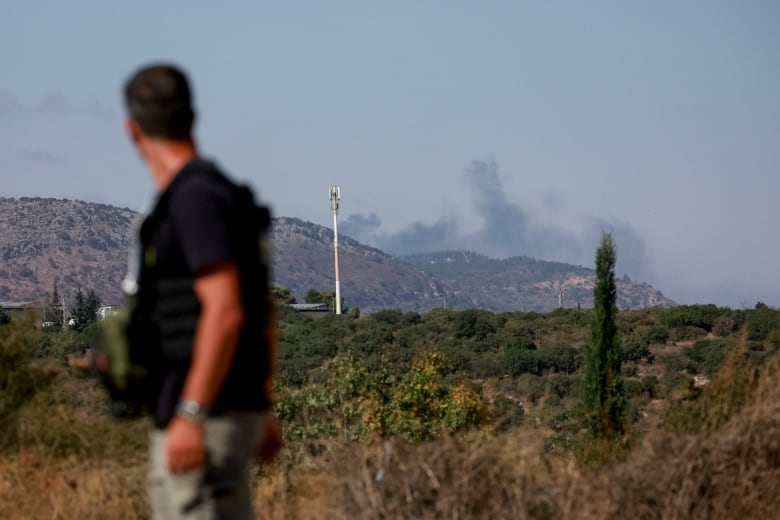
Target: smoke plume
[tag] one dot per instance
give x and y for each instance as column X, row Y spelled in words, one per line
column 507, row 229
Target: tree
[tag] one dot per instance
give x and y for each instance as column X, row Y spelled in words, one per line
column 84, row 309
column 5, row 318
column 313, row 296
column 53, row 313
column 603, row 393
column 326, row 297
column 282, row 295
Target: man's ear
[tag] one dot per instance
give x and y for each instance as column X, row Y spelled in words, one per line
column 133, row 130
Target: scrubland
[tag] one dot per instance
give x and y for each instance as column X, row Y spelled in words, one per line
column 703, row 439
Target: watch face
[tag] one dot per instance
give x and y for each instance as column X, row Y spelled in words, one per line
column 192, row 411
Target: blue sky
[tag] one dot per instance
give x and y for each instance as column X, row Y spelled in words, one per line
column 505, row 127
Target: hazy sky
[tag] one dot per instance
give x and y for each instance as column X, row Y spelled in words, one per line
column 506, row 127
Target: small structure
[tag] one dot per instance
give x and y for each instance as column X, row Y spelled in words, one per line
column 313, row 310
column 22, row 310
column 106, row 310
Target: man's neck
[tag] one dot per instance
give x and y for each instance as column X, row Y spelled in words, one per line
column 165, row 159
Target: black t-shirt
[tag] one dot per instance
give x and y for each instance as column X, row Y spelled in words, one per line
column 198, row 222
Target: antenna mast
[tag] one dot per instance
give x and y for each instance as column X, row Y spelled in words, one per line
column 560, row 290
column 335, row 197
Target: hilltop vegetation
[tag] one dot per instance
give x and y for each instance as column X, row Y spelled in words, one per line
column 77, row 244
column 450, row 413
column 85, row 245
column 524, row 283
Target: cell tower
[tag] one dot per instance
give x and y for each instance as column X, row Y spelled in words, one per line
column 335, row 197
column 560, row 290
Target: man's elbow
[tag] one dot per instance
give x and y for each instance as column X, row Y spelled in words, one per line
column 232, row 317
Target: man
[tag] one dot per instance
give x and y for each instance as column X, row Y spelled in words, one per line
column 205, row 308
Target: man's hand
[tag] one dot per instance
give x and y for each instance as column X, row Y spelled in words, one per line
column 184, row 448
column 271, row 441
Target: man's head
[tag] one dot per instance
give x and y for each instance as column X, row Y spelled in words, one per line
column 159, row 103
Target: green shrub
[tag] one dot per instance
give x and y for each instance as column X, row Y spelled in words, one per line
column 475, row 324
column 697, row 316
column 560, row 358
column 709, row 354
column 650, row 386
column 518, row 361
column 634, row 351
column 686, row 333
column 760, row 322
column 656, row 334
column 19, row 381
column 60, row 343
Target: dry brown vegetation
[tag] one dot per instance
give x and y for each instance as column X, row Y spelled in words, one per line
column 731, row 472
column 715, row 457
column 698, row 448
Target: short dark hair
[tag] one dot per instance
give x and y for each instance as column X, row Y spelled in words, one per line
column 158, row 98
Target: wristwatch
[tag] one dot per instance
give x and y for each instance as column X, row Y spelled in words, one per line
column 192, row 411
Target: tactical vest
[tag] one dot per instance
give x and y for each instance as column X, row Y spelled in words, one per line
column 164, row 320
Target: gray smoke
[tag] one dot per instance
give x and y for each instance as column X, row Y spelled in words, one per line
column 361, row 227
column 632, row 257
column 507, row 229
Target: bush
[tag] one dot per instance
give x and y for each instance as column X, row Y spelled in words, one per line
column 686, row 333
column 416, row 403
column 709, row 354
column 518, row 361
column 474, row 324
column 560, row 358
column 60, row 343
column 697, row 316
column 650, row 386
column 760, row 322
column 723, row 326
column 657, row 335
column 634, row 351
column 19, row 382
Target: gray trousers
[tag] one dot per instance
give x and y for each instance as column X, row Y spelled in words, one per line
column 218, row 490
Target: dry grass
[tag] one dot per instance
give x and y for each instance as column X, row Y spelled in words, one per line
column 733, row 472
column 73, row 463
column 33, row 486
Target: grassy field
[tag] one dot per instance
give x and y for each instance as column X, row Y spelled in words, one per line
column 710, row 451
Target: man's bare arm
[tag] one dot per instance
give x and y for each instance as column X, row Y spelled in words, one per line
column 216, row 338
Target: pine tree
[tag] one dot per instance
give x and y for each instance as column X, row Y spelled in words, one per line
column 54, row 311
column 603, row 393
column 85, row 309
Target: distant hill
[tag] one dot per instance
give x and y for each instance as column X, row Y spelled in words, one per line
column 80, row 244
column 370, row 278
column 77, row 244
column 523, row 283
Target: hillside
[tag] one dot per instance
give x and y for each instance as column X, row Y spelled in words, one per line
column 523, row 283
column 370, row 278
column 79, row 244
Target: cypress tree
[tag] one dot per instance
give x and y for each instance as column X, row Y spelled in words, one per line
column 603, row 392
column 54, row 312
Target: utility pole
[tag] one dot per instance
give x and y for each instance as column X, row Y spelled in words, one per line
column 559, row 289
column 335, row 197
